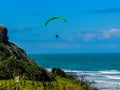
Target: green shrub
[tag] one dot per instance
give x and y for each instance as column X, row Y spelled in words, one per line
column 59, row 72
column 10, row 68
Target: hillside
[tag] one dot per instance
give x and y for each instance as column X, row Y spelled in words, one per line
column 10, row 49
column 14, row 61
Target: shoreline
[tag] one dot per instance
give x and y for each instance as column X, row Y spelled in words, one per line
column 103, row 80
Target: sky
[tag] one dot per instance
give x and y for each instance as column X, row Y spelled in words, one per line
column 93, row 26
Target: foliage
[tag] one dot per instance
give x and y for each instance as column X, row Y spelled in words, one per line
column 86, row 85
column 60, row 84
column 10, row 49
column 59, row 72
column 10, row 67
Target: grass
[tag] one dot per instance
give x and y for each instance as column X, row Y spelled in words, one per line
column 59, row 84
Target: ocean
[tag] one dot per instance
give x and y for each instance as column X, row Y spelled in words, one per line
column 101, row 69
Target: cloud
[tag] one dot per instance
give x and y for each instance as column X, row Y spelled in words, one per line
column 67, row 38
column 99, row 35
column 109, row 10
column 106, row 34
column 70, row 39
column 86, row 36
column 23, row 28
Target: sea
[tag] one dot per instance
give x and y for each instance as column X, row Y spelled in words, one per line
column 101, row 70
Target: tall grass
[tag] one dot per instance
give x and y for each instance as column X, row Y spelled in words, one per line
column 60, row 84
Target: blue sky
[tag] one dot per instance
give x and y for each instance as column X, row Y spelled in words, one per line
column 93, row 26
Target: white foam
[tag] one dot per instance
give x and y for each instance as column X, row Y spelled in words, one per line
column 113, row 77
column 107, row 85
column 110, row 72
column 106, row 80
column 49, row 69
column 72, row 71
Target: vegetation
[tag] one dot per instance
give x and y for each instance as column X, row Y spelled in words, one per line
column 59, row 84
column 33, row 77
column 14, row 61
column 59, row 72
column 85, row 84
column 9, row 49
column 10, row 67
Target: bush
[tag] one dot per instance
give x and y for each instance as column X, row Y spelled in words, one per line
column 59, row 72
column 10, row 68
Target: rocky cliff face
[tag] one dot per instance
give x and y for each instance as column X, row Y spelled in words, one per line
column 3, row 34
column 14, row 61
column 8, row 49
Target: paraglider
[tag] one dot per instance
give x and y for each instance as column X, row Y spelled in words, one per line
column 56, row 36
column 53, row 18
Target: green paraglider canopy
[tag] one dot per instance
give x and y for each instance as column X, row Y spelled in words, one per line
column 53, row 18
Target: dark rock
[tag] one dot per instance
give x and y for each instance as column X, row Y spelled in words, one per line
column 3, row 34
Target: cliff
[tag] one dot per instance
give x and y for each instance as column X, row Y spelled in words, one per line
column 14, row 61
column 10, row 49
column 3, row 34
